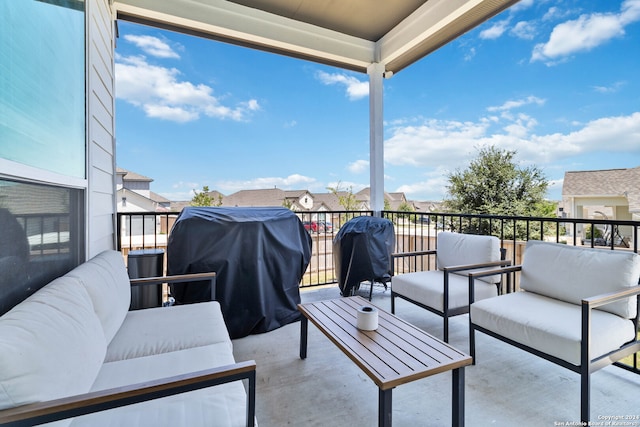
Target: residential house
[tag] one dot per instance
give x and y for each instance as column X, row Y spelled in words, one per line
column 134, row 194
column 300, row 200
column 297, row 200
column 603, row 194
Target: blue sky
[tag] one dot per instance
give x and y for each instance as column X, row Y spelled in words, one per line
column 555, row 80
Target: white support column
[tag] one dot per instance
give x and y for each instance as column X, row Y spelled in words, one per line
column 376, row 137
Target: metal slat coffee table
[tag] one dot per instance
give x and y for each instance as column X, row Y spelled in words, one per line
column 394, row 354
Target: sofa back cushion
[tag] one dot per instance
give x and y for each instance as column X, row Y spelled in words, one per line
column 106, row 279
column 51, row 345
column 571, row 273
column 464, row 249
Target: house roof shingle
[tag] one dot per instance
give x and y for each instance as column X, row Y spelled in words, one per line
column 132, row 176
column 603, row 183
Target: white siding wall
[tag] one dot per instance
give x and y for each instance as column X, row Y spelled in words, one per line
column 101, row 203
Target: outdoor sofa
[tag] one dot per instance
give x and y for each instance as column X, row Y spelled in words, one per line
column 74, row 348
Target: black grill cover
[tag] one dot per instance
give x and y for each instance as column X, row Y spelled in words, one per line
column 259, row 255
column 362, row 251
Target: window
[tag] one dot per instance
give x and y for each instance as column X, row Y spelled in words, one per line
column 41, row 239
column 42, row 144
column 42, row 85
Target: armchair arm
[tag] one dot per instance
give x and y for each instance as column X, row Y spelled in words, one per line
column 506, row 269
column 588, row 304
column 179, row 278
column 603, row 299
column 414, row 253
column 74, row 406
column 483, row 266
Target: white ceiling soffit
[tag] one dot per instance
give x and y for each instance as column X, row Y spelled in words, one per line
column 349, row 34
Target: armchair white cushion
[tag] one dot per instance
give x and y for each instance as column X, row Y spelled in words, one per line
column 551, row 326
column 571, row 273
column 464, row 249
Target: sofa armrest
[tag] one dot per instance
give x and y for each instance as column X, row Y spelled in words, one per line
column 74, row 406
column 191, row 277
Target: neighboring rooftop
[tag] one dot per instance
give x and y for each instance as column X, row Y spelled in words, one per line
column 605, row 183
column 304, row 200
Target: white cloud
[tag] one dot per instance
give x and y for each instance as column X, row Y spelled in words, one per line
column 470, row 54
column 521, row 5
column 556, row 183
column 615, row 87
column 524, row 30
column 165, row 112
column 358, row 166
column 433, row 143
column 509, row 105
column 152, row 46
column 160, row 93
column 554, row 13
column 182, row 190
column 444, row 144
column 356, row 89
column 435, row 183
column 630, row 11
column 585, row 33
column 495, row 31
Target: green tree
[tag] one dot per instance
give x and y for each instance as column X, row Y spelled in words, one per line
column 202, row 198
column 495, row 184
column 286, row 203
column 346, row 198
column 405, row 207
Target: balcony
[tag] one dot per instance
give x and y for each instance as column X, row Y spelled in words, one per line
column 507, row 386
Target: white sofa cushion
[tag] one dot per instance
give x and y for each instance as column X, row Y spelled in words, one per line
column 223, row 405
column 463, row 249
column 107, row 281
column 550, row 325
column 427, row 287
column 51, row 345
column 571, row 274
column 163, row 329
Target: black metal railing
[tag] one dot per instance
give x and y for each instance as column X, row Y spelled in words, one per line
column 414, row 232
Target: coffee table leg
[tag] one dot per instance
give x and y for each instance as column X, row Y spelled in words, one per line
column 304, row 326
column 457, row 419
column 384, row 407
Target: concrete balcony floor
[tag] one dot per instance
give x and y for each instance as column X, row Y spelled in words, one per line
column 507, row 386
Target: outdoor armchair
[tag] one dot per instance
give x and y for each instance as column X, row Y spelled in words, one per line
column 577, row 307
column 445, row 291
